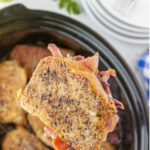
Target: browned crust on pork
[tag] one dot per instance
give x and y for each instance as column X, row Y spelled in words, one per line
column 21, row 139
column 12, row 78
column 69, row 98
column 38, row 127
column 29, row 56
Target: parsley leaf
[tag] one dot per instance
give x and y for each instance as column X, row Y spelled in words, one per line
column 63, row 3
column 70, row 5
column 76, row 8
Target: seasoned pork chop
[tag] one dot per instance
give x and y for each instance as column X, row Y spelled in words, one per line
column 29, row 56
column 38, row 127
column 68, row 97
column 107, row 146
column 12, row 78
column 21, row 139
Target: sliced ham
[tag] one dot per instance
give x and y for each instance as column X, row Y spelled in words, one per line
column 118, row 104
column 111, row 123
column 114, row 139
column 78, row 57
column 106, row 88
column 55, row 50
column 91, row 62
column 60, row 145
column 50, row 133
column 103, row 76
column 57, row 142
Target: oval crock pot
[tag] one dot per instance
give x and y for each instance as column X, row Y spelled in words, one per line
column 20, row 25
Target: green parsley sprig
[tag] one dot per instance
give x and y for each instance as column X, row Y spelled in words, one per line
column 70, row 5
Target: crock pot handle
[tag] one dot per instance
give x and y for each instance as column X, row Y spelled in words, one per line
column 12, row 11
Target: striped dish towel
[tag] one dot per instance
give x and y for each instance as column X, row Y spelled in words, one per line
column 144, row 64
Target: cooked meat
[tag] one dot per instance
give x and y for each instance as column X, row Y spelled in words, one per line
column 56, row 51
column 38, row 128
column 29, row 56
column 57, row 142
column 21, row 139
column 103, row 77
column 107, row 146
column 114, row 139
column 91, row 62
column 12, row 78
column 69, row 98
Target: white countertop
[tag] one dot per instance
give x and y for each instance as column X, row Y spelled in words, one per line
column 130, row 52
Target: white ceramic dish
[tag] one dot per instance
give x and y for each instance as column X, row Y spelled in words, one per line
column 129, row 15
column 103, row 26
column 116, row 21
column 111, row 23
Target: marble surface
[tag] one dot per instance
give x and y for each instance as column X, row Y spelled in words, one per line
column 130, row 52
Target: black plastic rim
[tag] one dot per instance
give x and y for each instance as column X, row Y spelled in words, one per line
column 17, row 18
